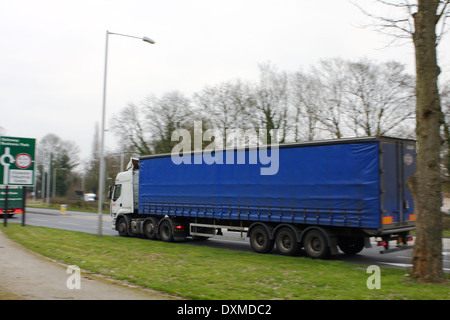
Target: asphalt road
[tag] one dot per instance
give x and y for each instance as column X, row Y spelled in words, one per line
column 74, row 220
column 88, row 223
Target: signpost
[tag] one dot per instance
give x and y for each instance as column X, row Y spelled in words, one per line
column 16, row 166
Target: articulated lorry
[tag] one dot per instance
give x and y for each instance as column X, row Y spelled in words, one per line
column 323, row 195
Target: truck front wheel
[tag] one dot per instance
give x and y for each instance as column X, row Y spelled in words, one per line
column 260, row 240
column 122, row 227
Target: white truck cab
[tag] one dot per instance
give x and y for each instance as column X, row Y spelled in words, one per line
column 124, row 193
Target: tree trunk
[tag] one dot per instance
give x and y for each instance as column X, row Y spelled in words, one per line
column 425, row 184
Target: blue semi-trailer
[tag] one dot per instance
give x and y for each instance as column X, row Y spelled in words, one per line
column 323, row 195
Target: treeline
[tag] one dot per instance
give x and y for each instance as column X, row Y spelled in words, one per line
column 55, row 161
column 334, row 99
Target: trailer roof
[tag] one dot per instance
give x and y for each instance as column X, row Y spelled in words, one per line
column 292, row 145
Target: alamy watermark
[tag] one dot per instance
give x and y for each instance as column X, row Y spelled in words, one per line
column 74, row 280
column 373, row 281
column 259, row 153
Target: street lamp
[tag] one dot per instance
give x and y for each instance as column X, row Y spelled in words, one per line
column 101, row 183
column 145, row 39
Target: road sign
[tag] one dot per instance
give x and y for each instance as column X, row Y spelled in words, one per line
column 17, row 161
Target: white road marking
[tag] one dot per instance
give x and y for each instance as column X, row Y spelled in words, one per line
column 406, row 265
column 403, row 265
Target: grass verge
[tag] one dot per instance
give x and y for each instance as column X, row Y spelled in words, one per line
column 207, row 273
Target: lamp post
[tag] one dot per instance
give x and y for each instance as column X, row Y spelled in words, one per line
column 101, row 183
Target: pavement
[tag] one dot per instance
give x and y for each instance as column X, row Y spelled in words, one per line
column 25, row 275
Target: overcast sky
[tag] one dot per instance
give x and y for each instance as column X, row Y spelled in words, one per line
column 52, row 53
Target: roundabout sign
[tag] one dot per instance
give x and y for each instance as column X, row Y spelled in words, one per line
column 17, row 161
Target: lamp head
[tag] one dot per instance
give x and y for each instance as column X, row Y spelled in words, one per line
column 145, row 39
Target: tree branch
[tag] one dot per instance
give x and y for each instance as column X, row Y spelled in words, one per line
column 404, row 24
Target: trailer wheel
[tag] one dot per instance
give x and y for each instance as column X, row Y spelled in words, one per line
column 150, row 228
column 122, row 227
column 316, row 244
column 260, row 240
column 351, row 245
column 165, row 231
column 286, row 241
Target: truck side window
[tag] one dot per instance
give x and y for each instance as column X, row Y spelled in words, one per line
column 117, row 191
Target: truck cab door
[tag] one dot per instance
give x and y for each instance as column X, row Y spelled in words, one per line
column 115, row 199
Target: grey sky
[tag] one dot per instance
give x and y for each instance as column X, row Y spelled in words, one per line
column 52, row 52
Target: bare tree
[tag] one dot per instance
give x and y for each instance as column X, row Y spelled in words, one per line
column 445, row 102
column 380, row 96
column 53, row 144
column 164, row 115
column 306, row 102
column 226, row 105
column 271, row 101
column 130, row 127
column 423, row 21
column 54, row 153
column 92, row 165
column 331, row 75
column 342, row 98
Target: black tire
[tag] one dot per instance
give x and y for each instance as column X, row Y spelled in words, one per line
column 150, row 229
column 122, row 227
column 316, row 244
column 260, row 240
column 286, row 241
column 351, row 245
column 165, row 231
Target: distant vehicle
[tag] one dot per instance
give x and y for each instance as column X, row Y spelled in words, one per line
column 326, row 194
column 89, row 197
column 15, row 201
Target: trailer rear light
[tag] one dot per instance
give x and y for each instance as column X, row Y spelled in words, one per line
column 386, row 220
column 12, row 211
column 382, row 243
column 179, row 227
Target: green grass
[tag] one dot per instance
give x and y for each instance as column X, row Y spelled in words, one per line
column 207, row 273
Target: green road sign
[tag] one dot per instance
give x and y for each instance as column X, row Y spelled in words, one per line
column 17, row 161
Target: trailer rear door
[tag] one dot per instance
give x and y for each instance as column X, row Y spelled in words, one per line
column 397, row 162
